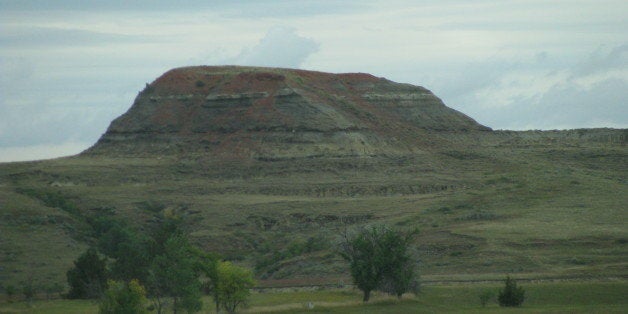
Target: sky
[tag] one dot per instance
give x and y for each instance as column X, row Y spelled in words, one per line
column 68, row 68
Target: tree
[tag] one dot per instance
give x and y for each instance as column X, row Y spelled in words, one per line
column 88, row 277
column 123, row 298
column 511, row 295
column 129, row 251
column 232, row 286
column 174, row 274
column 379, row 259
column 398, row 272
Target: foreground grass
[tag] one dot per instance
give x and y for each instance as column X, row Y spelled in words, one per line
column 561, row 297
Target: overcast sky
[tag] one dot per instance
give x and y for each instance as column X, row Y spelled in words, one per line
column 67, row 68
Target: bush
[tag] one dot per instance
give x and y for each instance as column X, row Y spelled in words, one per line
column 511, row 295
column 88, row 277
column 29, row 291
column 10, row 290
column 122, row 298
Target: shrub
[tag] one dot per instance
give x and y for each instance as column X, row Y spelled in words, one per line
column 29, row 291
column 122, row 298
column 511, row 295
column 10, row 290
column 88, row 277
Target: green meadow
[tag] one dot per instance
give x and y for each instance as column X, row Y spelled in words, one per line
column 550, row 297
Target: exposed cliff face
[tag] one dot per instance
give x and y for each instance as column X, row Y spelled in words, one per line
column 248, row 112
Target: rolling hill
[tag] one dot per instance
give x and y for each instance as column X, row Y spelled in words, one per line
column 269, row 166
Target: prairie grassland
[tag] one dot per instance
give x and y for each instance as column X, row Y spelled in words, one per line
column 555, row 297
column 537, row 211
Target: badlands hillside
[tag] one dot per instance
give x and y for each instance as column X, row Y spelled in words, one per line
column 269, row 166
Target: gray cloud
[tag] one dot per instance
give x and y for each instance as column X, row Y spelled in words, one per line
column 565, row 107
column 281, row 47
column 600, row 61
column 538, row 93
column 29, row 37
column 258, row 8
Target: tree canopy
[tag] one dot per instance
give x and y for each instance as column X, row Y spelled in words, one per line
column 379, row 259
column 88, row 277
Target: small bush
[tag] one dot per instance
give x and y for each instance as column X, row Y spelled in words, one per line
column 53, row 289
column 511, row 295
column 485, row 297
column 29, row 291
column 10, row 290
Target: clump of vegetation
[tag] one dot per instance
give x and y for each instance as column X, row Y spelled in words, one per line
column 173, row 274
column 51, row 199
column 511, row 295
column 268, row 263
column 29, row 290
column 121, row 297
column 52, row 289
column 164, row 261
column 88, row 277
column 485, row 297
column 10, row 290
column 232, row 286
column 379, row 259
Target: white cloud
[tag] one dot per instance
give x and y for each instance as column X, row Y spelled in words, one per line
column 590, row 93
column 280, row 47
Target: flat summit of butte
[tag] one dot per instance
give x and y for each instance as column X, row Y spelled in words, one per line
column 259, row 113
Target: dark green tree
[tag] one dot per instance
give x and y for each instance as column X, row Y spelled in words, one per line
column 88, row 277
column 398, row 272
column 129, row 251
column 379, row 259
column 174, row 274
column 511, row 295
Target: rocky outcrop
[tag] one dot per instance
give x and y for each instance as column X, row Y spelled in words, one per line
column 253, row 113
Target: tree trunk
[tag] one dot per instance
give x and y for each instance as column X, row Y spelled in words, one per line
column 367, row 295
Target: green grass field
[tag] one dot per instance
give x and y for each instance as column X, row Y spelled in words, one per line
column 535, row 211
column 556, row 297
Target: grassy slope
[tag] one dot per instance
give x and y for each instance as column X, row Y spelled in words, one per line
column 539, row 211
